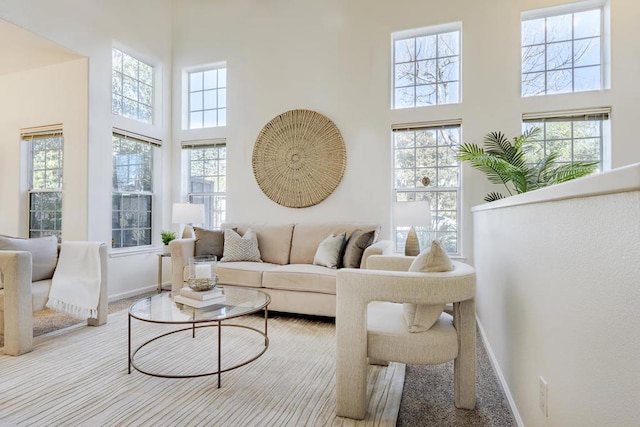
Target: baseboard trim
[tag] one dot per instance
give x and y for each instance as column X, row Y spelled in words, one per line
column 501, row 379
column 132, row 293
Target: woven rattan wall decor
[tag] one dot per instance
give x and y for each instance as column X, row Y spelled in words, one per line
column 299, row 158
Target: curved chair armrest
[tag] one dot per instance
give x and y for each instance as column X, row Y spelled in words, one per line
column 381, row 247
column 15, row 267
column 181, row 251
column 365, row 286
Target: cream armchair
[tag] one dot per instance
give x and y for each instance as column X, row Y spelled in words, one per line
column 370, row 326
column 21, row 297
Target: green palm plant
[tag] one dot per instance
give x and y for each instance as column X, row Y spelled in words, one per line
column 504, row 163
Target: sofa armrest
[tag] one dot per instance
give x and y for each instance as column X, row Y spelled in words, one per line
column 389, row 262
column 381, row 247
column 181, row 251
column 15, row 268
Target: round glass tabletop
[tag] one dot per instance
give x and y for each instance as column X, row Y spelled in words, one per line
column 161, row 308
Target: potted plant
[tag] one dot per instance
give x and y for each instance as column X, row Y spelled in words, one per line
column 504, row 163
column 167, row 236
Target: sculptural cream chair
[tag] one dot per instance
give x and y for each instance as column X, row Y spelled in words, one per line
column 370, row 324
column 26, row 276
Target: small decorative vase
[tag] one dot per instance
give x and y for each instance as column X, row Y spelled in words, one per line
column 166, row 250
column 202, row 276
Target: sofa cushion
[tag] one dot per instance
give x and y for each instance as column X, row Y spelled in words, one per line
column 242, row 273
column 420, row 317
column 274, row 241
column 301, row 277
column 39, row 295
column 329, row 252
column 237, row 248
column 355, row 247
column 307, row 237
column 44, row 253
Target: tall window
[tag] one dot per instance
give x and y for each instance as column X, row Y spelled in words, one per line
column 132, row 196
column 45, row 181
column 426, row 69
column 426, row 168
column 208, row 98
column 132, row 87
column 562, row 53
column 577, row 137
column 207, row 179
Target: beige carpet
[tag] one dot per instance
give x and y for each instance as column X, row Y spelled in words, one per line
column 78, row 376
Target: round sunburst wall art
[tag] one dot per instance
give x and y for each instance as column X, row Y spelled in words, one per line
column 299, row 158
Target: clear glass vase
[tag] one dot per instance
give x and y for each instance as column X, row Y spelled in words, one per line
column 202, row 273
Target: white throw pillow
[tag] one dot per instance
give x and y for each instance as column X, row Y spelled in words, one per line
column 238, row 248
column 329, row 251
column 421, row 317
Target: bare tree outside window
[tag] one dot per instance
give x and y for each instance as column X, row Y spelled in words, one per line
column 427, row 70
column 562, row 53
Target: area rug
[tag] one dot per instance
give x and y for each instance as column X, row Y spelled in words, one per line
column 78, row 376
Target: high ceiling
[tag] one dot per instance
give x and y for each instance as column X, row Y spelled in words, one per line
column 22, row 50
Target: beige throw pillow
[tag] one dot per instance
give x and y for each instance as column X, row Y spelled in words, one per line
column 44, row 253
column 237, row 248
column 329, row 251
column 357, row 243
column 421, row 317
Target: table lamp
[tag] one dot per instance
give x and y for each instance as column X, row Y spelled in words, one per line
column 187, row 214
column 412, row 214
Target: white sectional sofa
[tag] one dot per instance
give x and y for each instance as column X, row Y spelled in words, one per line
column 287, row 271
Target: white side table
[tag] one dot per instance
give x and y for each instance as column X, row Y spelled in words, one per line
column 161, row 256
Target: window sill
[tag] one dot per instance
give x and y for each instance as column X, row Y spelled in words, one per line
column 123, row 252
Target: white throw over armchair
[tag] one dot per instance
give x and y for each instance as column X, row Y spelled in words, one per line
column 371, row 328
column 26, row 277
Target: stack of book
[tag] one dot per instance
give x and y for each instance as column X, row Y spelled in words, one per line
column 199, row 299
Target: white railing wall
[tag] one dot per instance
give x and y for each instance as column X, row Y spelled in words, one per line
column 558, row 297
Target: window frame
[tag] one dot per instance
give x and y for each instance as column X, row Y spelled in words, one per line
column 436, row 30
column 147, row 194
column 215, row 207
column 541, row 120
column 30, row 136
column 217, row 88
column 438, row 220
column 559, row 11
column 118, row 75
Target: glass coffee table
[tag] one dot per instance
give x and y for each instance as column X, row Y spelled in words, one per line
column 162, row 309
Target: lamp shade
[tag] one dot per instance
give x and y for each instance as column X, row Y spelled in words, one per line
column 187, row 213
column 412, row 214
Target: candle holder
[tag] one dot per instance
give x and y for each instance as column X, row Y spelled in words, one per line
column 202, row 276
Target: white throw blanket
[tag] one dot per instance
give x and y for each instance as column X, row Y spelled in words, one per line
column 75, row 287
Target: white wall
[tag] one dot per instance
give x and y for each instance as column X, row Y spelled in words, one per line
column 333, row 56
column 43, row 96
column 142, row 28
column 558, row 296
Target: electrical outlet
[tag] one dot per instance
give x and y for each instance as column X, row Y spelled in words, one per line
column 543, row 396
